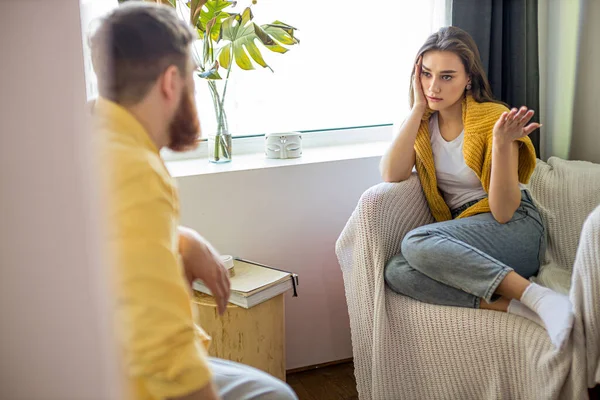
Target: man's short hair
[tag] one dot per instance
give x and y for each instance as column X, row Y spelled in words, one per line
column 134, row 45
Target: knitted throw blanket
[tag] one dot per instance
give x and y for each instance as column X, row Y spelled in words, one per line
column 405, row 349
column 478, row 120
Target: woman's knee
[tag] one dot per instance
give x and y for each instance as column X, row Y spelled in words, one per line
column 395, row 273
column 412, row 245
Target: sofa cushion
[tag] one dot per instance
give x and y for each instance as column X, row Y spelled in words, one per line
column 566, row 192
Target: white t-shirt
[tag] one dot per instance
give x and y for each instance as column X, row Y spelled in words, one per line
column 458, row 183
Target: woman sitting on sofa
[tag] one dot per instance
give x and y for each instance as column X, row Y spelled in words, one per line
column 473, row 157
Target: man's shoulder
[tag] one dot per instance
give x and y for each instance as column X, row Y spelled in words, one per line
column 128, row 165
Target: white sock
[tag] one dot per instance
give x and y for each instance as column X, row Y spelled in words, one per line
column 517, row 308
column 554, row 309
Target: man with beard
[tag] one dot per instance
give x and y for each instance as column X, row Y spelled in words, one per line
column 141, row 55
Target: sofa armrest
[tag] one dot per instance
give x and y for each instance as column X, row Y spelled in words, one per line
column 385, row 214
column 585, row 293
column 373, row 234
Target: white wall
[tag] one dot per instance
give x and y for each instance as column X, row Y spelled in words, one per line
column 54, row 341
column 586, row 114
column 288, row 217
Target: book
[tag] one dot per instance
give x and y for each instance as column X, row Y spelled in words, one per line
column 254, row 283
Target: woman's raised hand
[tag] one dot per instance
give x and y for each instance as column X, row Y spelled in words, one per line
column 512, row 125
column 420, row 102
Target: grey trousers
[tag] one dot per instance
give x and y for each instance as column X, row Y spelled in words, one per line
column 240, row 382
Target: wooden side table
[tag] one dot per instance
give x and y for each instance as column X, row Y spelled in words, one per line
column 253, row 336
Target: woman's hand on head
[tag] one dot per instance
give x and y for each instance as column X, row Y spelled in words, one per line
column 513, row 125
column 420, row 102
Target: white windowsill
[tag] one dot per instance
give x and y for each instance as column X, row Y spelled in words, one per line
column 318, row 147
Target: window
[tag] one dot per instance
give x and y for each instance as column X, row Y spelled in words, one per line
column 350, row 69
column 91, row 10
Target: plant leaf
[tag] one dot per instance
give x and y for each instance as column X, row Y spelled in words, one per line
column 284, row 25
column 212, row 73
column 225, row 55
column 215, row 31
column 255, row 52
column 280, row 33
column 215, row 6
column 263, row 36
column 213, row 10
column 283, row 33
column 241, row 58
column 242, row 34
column 195, row 10
column 237, row 31
column 208, row 49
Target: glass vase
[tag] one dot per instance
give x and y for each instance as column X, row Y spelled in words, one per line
column 219, row 147
column 219, row 141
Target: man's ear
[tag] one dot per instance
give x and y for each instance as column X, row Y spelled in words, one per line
column 168, row 83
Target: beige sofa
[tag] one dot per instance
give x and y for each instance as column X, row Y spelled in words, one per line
column 404, row 349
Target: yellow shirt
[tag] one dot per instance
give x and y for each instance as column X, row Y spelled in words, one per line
column 163, row 351
column 478, row 121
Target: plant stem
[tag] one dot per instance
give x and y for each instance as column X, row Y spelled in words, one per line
column 222, row 105
column 216, row 101
column 221, row 142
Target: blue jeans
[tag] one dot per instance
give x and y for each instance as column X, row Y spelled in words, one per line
column 459, row 262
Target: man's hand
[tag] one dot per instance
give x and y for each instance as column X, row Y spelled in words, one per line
column 202, row 261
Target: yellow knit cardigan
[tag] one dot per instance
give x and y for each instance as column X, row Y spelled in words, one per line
column 478, row 120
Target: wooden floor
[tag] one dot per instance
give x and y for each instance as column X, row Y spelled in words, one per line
column 595, row 393
column 337, row 382
column 334, row 382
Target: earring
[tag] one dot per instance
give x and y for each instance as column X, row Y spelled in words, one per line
column 468, row 87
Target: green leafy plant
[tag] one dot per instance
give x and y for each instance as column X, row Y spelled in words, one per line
column 230, row 38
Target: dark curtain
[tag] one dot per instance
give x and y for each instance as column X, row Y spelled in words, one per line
column 506, row 33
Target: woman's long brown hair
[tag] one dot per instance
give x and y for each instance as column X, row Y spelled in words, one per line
column 459, row 42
